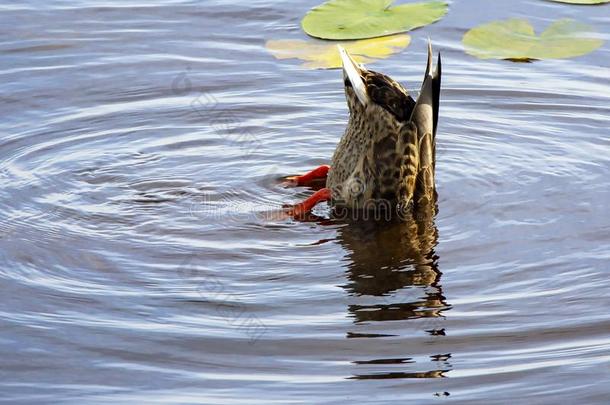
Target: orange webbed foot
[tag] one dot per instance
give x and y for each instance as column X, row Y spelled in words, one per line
column 315, row 177
column 306, row 206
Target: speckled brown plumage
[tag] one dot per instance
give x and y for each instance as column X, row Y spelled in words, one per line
column 387, row 93
column 386, row 155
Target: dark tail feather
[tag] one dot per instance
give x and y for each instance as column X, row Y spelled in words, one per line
column 436, row 91
column 436, row 96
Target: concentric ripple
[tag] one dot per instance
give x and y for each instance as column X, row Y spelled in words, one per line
column 144, row 254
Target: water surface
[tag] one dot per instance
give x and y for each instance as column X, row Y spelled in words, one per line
column 141, row 145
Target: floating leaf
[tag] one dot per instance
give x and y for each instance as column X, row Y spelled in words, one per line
column 324, row 55
column 515, row 39
column 357, row 19
column 582, row 1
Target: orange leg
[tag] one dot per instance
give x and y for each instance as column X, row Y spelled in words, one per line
column 307, row 205
column 317, row 175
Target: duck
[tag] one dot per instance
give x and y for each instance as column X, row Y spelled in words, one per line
column 386, row 157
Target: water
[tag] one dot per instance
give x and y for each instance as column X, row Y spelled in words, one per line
column 143, row 259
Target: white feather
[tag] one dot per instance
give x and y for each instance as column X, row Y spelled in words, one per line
column 352, row 70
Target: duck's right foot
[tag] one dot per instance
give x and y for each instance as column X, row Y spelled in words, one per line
column 306, row 206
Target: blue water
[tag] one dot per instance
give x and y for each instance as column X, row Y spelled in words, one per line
column 143, row 259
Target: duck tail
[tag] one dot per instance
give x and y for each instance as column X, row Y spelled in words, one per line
column 436, row 90
column 351, row 71
column 423, row 112
column 425, row 118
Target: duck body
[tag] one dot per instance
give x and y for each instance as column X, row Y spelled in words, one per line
column 369, row 165
column 386, row 155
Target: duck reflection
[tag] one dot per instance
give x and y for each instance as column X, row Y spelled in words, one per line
column 393, row 275
column 386, row 257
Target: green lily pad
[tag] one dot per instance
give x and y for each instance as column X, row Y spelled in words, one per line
column 357, row 19
column 325, row 55
column 515, row 39
column 582, row 1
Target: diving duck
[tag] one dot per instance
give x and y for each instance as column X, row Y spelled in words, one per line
column 386, row 156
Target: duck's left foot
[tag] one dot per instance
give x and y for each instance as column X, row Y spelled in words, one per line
column 314, row 177
column 306, row 206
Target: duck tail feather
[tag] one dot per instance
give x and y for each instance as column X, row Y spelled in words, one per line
column 352, row 71
column 436, row 91
column 423, row 116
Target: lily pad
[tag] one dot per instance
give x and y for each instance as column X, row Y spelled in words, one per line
column 325, row 55
column 515, row 39
column 357, row 19
column 582, row 1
